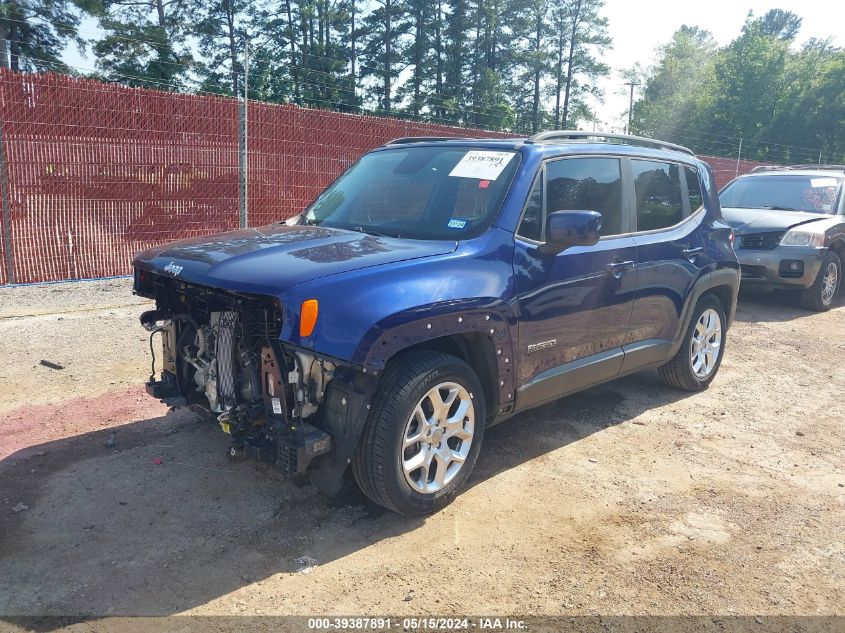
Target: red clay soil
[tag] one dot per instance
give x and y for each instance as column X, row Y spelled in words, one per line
column 35, row 425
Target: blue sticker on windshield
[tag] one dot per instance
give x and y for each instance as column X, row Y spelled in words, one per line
column 454, row 223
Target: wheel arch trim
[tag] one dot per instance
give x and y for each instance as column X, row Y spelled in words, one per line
column 489, row 321
column 725, row 282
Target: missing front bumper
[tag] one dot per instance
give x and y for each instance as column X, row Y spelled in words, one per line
column 291, row 453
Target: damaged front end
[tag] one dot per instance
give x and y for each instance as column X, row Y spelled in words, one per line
column 222, row 356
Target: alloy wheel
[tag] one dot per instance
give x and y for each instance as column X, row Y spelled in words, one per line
column 705, row 343
column 829, row 283
column 437, row 437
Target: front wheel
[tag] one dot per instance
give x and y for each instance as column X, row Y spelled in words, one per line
column 695, row 365
column 423, row 434
column 819, row 297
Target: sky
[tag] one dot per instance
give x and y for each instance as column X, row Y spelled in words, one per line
column 639, row 27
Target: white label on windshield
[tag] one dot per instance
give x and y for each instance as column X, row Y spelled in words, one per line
column 822, row 182
column 481, row 165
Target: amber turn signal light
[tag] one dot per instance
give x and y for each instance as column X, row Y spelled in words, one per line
column 308, row 317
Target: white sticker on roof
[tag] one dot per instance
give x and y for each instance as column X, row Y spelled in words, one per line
column 482, row 165
column 823, row 182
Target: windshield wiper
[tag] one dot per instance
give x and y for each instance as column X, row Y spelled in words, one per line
column 370, row 231
column 776, row 208
column 300, row 220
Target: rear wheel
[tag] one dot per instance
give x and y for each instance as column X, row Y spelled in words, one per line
column 423, row 434
column 695, row 365
column 819, row 297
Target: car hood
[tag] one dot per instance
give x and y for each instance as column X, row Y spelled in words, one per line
column 270, row 259
column 767, row 220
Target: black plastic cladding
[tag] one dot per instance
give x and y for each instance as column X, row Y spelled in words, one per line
column 490, row 323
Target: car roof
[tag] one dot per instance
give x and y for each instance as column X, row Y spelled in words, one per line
column 819, row 173
column 552, row 147
column 807, row 169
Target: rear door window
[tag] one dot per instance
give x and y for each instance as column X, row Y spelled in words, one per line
column 657, row 187
column 693, row 189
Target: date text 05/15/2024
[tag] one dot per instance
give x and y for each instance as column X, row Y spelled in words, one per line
column 416, row 624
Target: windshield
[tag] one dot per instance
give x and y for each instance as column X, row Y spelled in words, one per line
column 782, row 192
column 430, row 193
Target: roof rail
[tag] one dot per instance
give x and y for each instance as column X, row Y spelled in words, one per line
column 574, row 135
column 807, row 167
column 428, row 139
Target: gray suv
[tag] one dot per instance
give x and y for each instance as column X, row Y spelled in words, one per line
column 789, row 226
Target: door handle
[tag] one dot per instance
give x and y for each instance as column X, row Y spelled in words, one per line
column 692, row 253
column 617, row 269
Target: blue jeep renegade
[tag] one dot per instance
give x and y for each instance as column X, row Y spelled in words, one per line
column 440, row 286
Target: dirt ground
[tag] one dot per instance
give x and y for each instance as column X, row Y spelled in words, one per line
column 630, row 498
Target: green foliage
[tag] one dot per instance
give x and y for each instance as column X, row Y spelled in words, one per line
column 34, row 34
column 322, row 74
column 520, row 65
column 145, row 43
column 302, row 52
column 417, row 56
column 786, row 104
column 779, row 24
column 749, row 76
column 383, row 41
column 486, row 63
column 220, row 36
column 678, row 85
column 534, row 62
column 582, row 35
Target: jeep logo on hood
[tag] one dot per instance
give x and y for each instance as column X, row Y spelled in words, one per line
column 173, row 269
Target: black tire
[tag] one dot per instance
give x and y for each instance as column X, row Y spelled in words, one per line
column 678, row 372
column 377, row 463
column 812, row 298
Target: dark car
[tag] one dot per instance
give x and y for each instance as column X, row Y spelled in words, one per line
column 790, row 229
column 436, row 288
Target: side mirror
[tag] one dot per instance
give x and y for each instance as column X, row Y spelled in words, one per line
column 572, row 228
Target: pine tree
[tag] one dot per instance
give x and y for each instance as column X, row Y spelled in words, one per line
column 493, row 58
column 323, row 73
column 438, row 95
column 582, row 36
column 34, row 34
column 308, row 48
column 274, row 68
column 220, row 28
column 534, row 64
column 144, row 43
column 417, row 56
column 455, row 92
column 382, row 51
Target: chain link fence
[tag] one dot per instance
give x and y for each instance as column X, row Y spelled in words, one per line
column 96, row 172
column 91, row 173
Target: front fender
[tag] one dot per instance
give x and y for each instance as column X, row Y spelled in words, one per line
column 361, row 310
column 834, row 230
column 493, row 319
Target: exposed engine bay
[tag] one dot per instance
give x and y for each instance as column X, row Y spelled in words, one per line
column 221, row 356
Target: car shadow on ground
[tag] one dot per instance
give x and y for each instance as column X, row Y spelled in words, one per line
column 776, row 305
column 161, row 522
